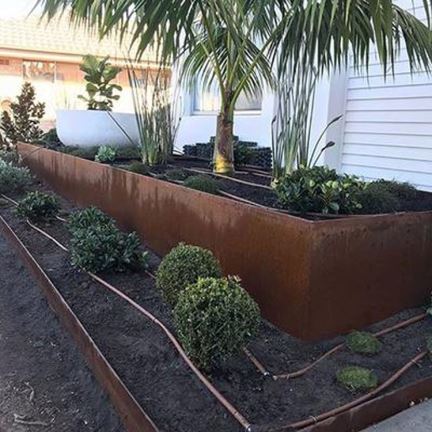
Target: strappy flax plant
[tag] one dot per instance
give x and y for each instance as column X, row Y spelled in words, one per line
column 234, row 43
column 292, row 123
column 153, row 113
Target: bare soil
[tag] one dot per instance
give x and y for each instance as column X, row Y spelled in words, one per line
column 163, row 384
column 44, row 383
column 257, row 177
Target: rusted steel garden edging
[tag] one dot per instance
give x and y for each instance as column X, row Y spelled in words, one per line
column 314, row 279
column 129, row 410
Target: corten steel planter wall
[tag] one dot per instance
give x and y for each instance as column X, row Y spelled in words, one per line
column 312, row 279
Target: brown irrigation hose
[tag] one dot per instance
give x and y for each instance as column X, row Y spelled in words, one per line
column 228, row 406
column 302, row 371
column 358, row 401
column 233, row 411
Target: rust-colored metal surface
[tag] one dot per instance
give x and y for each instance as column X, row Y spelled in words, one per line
column 131, row 413
column 312, row 279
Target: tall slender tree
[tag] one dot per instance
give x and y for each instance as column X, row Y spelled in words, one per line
column 233, row 43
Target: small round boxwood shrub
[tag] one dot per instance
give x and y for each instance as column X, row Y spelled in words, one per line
column 181, row 267
column 215, row 319
column 138, row 168
column 87, row 218
column 176, row 174
column 202, row 183
column 387, row 196
column 106, row 154
column 363, row 343
column 12, row 178
column 355, row 378
column 104, row 247
column 38, row 206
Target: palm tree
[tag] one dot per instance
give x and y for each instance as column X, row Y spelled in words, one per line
column 234, row 43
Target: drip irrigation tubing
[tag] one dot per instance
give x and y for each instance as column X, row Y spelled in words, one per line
column 324, row 416
column 296, row 374
column 221, row 399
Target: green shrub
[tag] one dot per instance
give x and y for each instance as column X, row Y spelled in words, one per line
column 98, row 245
column 106, row 154
column 363, row 343
column 51, row 140
column 13, row 179
column 176, row 174
column 87, row 218
column 9, row 156
column 386, row 196
column 320, row 190
column 38, row 206
column 138, row 168
column 181, row 267
column 375, row 200
column 202, row 183
column 128, row 152
column 355, row 378
column 105, row 248
column 81, row 152
column 215, row 319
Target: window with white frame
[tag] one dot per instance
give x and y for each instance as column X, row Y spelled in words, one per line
column 39, row 71
column 207, row 100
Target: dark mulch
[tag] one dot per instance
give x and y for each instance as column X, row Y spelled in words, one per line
column 43, row 378
column 421, row 202
column 163, row 384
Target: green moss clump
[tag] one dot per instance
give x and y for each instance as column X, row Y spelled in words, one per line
column 355, row 378
column 363, row 343
column 203, row 184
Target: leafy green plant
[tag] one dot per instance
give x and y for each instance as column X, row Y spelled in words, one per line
column 38, row 206
column 12, row 178
column 138, row 168
column 320, row 190
column 355, row 378
column 176, row 174
column 104, row 247
column 202, row 183
column 22, row 122
column 181, row 267
column 106, row 154
column 100, row 90
column 363, row 343
column 87, row 218
column 215, row 319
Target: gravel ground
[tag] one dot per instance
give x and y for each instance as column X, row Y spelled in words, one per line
column 44, row 382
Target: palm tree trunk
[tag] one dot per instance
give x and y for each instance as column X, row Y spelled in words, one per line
column 223, row 159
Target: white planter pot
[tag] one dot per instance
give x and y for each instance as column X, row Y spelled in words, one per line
column 95, row 128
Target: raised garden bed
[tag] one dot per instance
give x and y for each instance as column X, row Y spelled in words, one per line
column 311, row 278
column 175, row 400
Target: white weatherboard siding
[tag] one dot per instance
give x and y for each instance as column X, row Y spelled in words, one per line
column 387, row 131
